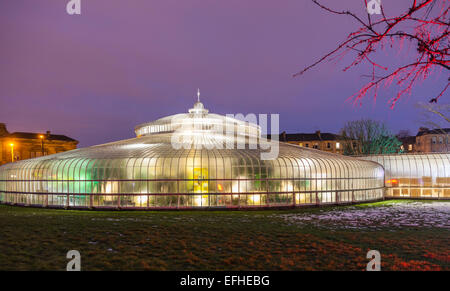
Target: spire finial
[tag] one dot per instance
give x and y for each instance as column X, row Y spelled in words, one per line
column 198, row 94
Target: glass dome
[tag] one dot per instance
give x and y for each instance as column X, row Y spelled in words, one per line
column 156, row 171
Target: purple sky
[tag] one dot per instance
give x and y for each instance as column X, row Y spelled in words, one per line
column 94, row 77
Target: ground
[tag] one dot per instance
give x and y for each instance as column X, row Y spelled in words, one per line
column 410, row 235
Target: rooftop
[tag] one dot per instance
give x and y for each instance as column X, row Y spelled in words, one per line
column 33, row 135
column 423, row 131
column 307, row 136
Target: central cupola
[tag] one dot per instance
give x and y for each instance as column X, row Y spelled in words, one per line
column 199, row 108
column 198, row 119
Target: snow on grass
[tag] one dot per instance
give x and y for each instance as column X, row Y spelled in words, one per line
column 388, row 215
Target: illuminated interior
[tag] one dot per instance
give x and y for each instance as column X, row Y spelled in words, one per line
column 416, row 175
column 149, row 172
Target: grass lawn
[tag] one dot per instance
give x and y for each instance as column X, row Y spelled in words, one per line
column 410, row 235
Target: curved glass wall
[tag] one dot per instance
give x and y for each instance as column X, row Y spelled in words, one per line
column 416, row 175
column 148, row 172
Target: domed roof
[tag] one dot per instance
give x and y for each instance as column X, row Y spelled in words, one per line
column 199, row 120
column 157, row 139
column 185, row 160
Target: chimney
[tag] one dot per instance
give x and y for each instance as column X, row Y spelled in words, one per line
column 318, row 134
column 3, row 130
column 422, row 130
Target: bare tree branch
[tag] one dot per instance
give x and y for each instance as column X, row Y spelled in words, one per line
column 429, row 33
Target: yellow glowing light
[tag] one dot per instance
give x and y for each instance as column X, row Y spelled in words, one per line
column 108, row 187
column 393, row 181
column 198, row 200
column 141, row 199
column 254, row 199
column 12, row 152
column 290, row 187
column 219, row 187
column 41, row 136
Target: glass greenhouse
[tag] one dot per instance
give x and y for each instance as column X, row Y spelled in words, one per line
column 157, row 171
column 416, row 175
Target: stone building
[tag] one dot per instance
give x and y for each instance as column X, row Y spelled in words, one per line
column 408, row 144
column 324, row 141
column 433, row 140
column 25, row 145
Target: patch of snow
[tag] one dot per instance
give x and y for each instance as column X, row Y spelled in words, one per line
column 391, row 215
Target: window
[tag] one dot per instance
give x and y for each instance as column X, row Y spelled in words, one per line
column 410, row 147
column 328, row 145
column 441, row 140
column 306, row 145
column 300, row 144
column 433, row 140
column 315, row 146
column 338, row 145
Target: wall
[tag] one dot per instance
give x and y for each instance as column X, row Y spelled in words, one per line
column 433, row 143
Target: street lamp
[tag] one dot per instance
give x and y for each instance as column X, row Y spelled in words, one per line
column 42, row 144
column 12, row 152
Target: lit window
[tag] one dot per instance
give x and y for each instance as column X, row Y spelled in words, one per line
column 410, row 147
column 338, row 145
column 300, row 144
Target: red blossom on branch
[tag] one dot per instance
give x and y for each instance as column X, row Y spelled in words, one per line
column 425, row 24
